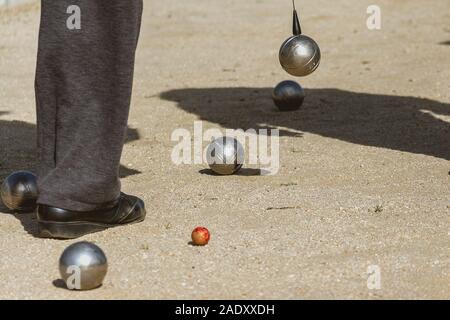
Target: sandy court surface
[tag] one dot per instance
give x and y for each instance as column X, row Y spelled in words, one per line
column 364, row 176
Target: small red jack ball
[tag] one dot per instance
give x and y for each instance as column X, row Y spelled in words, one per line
column 200, row 236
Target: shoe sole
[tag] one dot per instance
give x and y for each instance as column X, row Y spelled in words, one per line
column 73, row 230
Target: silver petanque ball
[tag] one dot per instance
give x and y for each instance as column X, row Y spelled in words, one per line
column 225, row 155
column 83, row 266
column 288, row 96
column 299, row 55
column 19, row 191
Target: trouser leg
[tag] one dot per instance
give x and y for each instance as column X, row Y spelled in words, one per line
column 83, row 88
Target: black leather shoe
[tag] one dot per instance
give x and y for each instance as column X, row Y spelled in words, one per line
column 65, row 224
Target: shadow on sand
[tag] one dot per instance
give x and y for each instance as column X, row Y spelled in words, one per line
column 407, row 124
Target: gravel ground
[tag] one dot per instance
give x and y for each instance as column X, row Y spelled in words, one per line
column 364, row 177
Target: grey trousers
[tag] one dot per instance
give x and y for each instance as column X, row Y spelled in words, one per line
column 83, row 82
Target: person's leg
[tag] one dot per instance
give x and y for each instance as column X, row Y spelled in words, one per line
column 83, row 87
